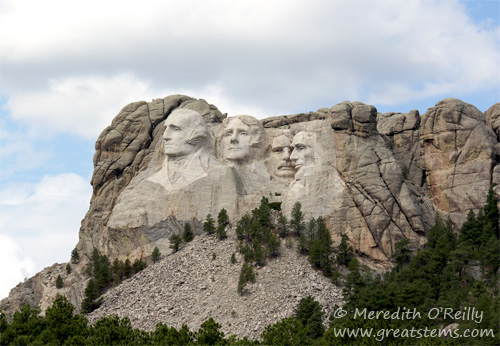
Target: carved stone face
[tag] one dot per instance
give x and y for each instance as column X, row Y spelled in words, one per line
column 303, row 152
column 281, row 164
column 237, row 141
column 178, row 135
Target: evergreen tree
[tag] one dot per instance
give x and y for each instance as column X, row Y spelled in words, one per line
column 127, row 268
column 175, row 242
column 402, row 253
column 75, row 256
column 139, row 264
column 282, row 226
column 309, row 313
column 264, row 212
column 62, row 326
column 91, row 302
column 155, row 255
column 209, row 225
column 344, row 251
column 210, row 333
column 68, row 268
column 297, row 219
column 220, row 232
column 223, row 218
column 287, row 331
column 59, row 282
column 258, row 252
column 246, row 275
column 188, row 234
column 233, row 258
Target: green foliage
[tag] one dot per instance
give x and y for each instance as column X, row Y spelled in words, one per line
column 209, row 225
column 282, row 226
column 68, row 269
column 345, row 253
column 59, row 282
column 309, row 314
column 75, row 256
column 288, row 331
column 25, row 328
column 139, row 264
column 62, row 326
column 91, row 301
column 275, row 206
column 188, row 234
column 246, row 275
column 210, row 333
column 155, row 255
column 214, row 256
column 164, row 335
column 112, row 330
column 402, row 253
column 297, row 219
column 233, row 258
column 223, row 218
column 175, row 242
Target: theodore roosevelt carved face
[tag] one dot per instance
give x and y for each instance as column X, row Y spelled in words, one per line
column 239, row 139
column 279, row 162
column 185, row 132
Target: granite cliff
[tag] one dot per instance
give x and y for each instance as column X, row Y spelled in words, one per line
column 377, row 178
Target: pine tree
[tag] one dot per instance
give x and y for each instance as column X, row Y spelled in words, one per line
column 223, row 218
column 221, row 232
column 188, row 234
column 175, row 242
column 209, row 225
column 297, row 219
column 68, row 268
column 59, row 282
column 309, row 313
column 155, row 255
column 402, row 253
column 344, row 251
column 282, row 226
column 75, row 256
column 90, row 302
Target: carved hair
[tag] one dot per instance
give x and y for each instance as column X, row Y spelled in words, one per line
column 256, row 131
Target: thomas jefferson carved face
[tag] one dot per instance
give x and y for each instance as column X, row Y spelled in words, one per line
column 237, row 140
column 280, row 164
column 303, row 152
column 240, row 138
column 185, row 132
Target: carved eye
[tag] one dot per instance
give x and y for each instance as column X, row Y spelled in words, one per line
column 243, row 133
column 277, row 150
column 300, row 147
column 228, row 134
column 175, row 128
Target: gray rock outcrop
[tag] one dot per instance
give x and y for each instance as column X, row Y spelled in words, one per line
column 377, row 178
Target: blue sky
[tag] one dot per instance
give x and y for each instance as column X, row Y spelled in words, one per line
column 67, row 68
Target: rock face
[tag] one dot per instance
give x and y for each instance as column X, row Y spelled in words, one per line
column 377, row 178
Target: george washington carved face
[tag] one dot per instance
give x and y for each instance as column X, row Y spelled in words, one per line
column 185, row 132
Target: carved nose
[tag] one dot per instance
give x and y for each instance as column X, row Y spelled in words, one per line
column 286, row 154
column 294, row 156
column 234, row 138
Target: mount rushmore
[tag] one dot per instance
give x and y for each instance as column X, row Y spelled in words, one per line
column 376, row 178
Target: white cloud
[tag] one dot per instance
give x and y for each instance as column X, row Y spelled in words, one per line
column 76, row 64
column 15, row 266
column 77, row 105
column 43, row 219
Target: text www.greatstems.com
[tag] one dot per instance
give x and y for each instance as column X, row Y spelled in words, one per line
column 417, row 333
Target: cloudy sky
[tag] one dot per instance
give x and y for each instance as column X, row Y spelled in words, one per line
column 68, row 67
